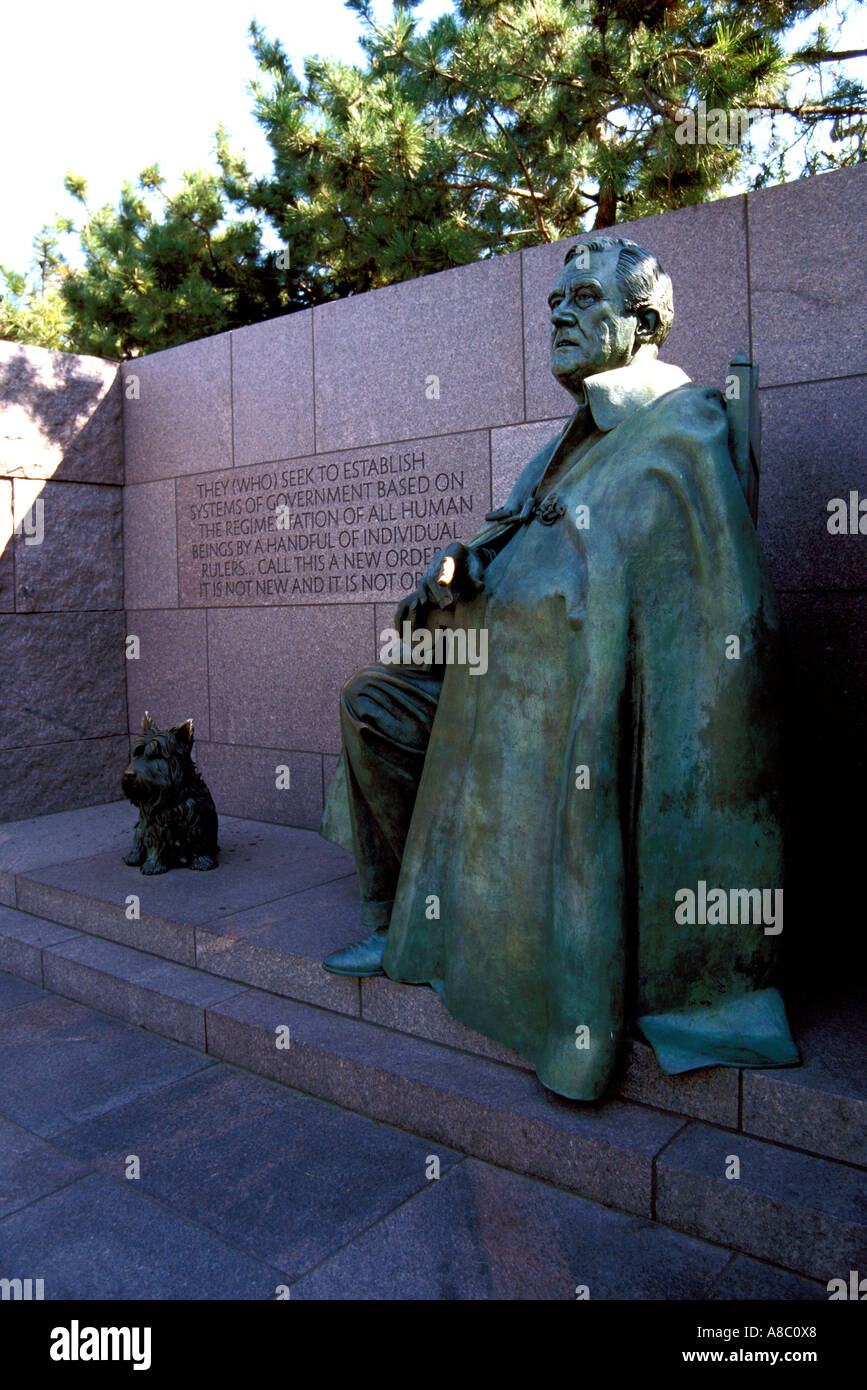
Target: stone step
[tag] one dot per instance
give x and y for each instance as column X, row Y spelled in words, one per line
column 60, row 838
column 278, row 946
column 280, row 901
column 811, row 1212
column 820, row 1107
column 487, row 1107
column 144, row 990
column 805, row 1213
column 790, row 1208
column 98, row 893
column 22, row 941
column 283, row 898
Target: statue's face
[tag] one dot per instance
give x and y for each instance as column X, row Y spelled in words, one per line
column 590, row 330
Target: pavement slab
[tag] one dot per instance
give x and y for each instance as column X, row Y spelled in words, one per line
column 483, row 1233
column 30, row 1167
column 62, row 1063
column 98, row 1240
column 248, row 1189
column 306, row 1176
column 14, row 992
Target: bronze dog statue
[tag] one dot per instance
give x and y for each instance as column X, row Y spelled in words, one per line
column 177, row 825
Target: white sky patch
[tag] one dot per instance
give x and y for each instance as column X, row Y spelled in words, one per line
column 107, row 89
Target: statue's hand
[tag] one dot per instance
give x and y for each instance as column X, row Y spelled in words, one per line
column 454, row 573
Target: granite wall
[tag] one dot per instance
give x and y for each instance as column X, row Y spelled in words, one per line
column 62, row 679
column 386, row 424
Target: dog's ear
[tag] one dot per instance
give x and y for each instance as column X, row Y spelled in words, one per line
column 184, row 733
column 146, row 724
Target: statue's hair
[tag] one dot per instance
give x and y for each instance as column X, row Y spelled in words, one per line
column 642, row 280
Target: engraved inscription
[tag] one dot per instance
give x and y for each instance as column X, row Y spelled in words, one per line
column 338, row 527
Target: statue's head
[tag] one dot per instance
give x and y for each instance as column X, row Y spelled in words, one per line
column 610, row 300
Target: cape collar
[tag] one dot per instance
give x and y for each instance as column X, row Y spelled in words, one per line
column 611, row 397
column 614, row 396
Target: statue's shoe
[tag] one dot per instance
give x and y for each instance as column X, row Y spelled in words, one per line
column 362, row 958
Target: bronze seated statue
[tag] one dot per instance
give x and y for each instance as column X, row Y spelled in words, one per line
column 586, row 836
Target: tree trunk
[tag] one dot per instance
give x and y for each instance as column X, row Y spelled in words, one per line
column 606, row 211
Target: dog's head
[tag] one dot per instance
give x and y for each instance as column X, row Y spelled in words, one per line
column 160, row 762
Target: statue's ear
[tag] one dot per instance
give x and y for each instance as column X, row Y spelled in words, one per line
column 184, row 733
column 146, row 725
column 648, row 323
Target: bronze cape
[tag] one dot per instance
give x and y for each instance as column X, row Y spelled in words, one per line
column 607, row 650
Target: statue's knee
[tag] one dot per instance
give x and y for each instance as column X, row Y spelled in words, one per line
column 356, row 692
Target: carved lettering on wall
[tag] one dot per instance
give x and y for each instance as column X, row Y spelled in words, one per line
column 359, row 526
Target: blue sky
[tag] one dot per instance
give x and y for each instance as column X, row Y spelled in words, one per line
column 106, row 89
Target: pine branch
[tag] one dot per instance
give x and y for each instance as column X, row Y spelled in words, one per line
column 821, row 55
column 448, row 77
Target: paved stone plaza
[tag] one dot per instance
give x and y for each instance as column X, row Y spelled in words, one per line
column 247, row 1186
column 311, row 1166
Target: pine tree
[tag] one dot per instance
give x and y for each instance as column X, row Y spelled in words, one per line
column 516, row 121
column 504, row 124
column 150, row 282
column 32, row 307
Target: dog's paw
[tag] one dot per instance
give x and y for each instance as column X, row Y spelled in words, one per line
column 203, row 861
column 134, row 858
column 153, row 866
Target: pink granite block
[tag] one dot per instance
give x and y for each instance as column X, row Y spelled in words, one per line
column 169, row 678
column 812, row 453
column 61, row 681
column 272, row 389
column 243, row 781
column 427, row 356
column 150, row 545
column 808, row 293
column 511, row 450
column 60, row 416
column 276, row 673
column 38, row 779
column 177, row 410
column 354, row 526
column 7, row 566
column 78, row 562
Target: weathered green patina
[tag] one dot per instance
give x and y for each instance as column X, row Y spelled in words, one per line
column 621, row 748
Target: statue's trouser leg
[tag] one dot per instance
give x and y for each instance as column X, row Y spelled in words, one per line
column 386, row 716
